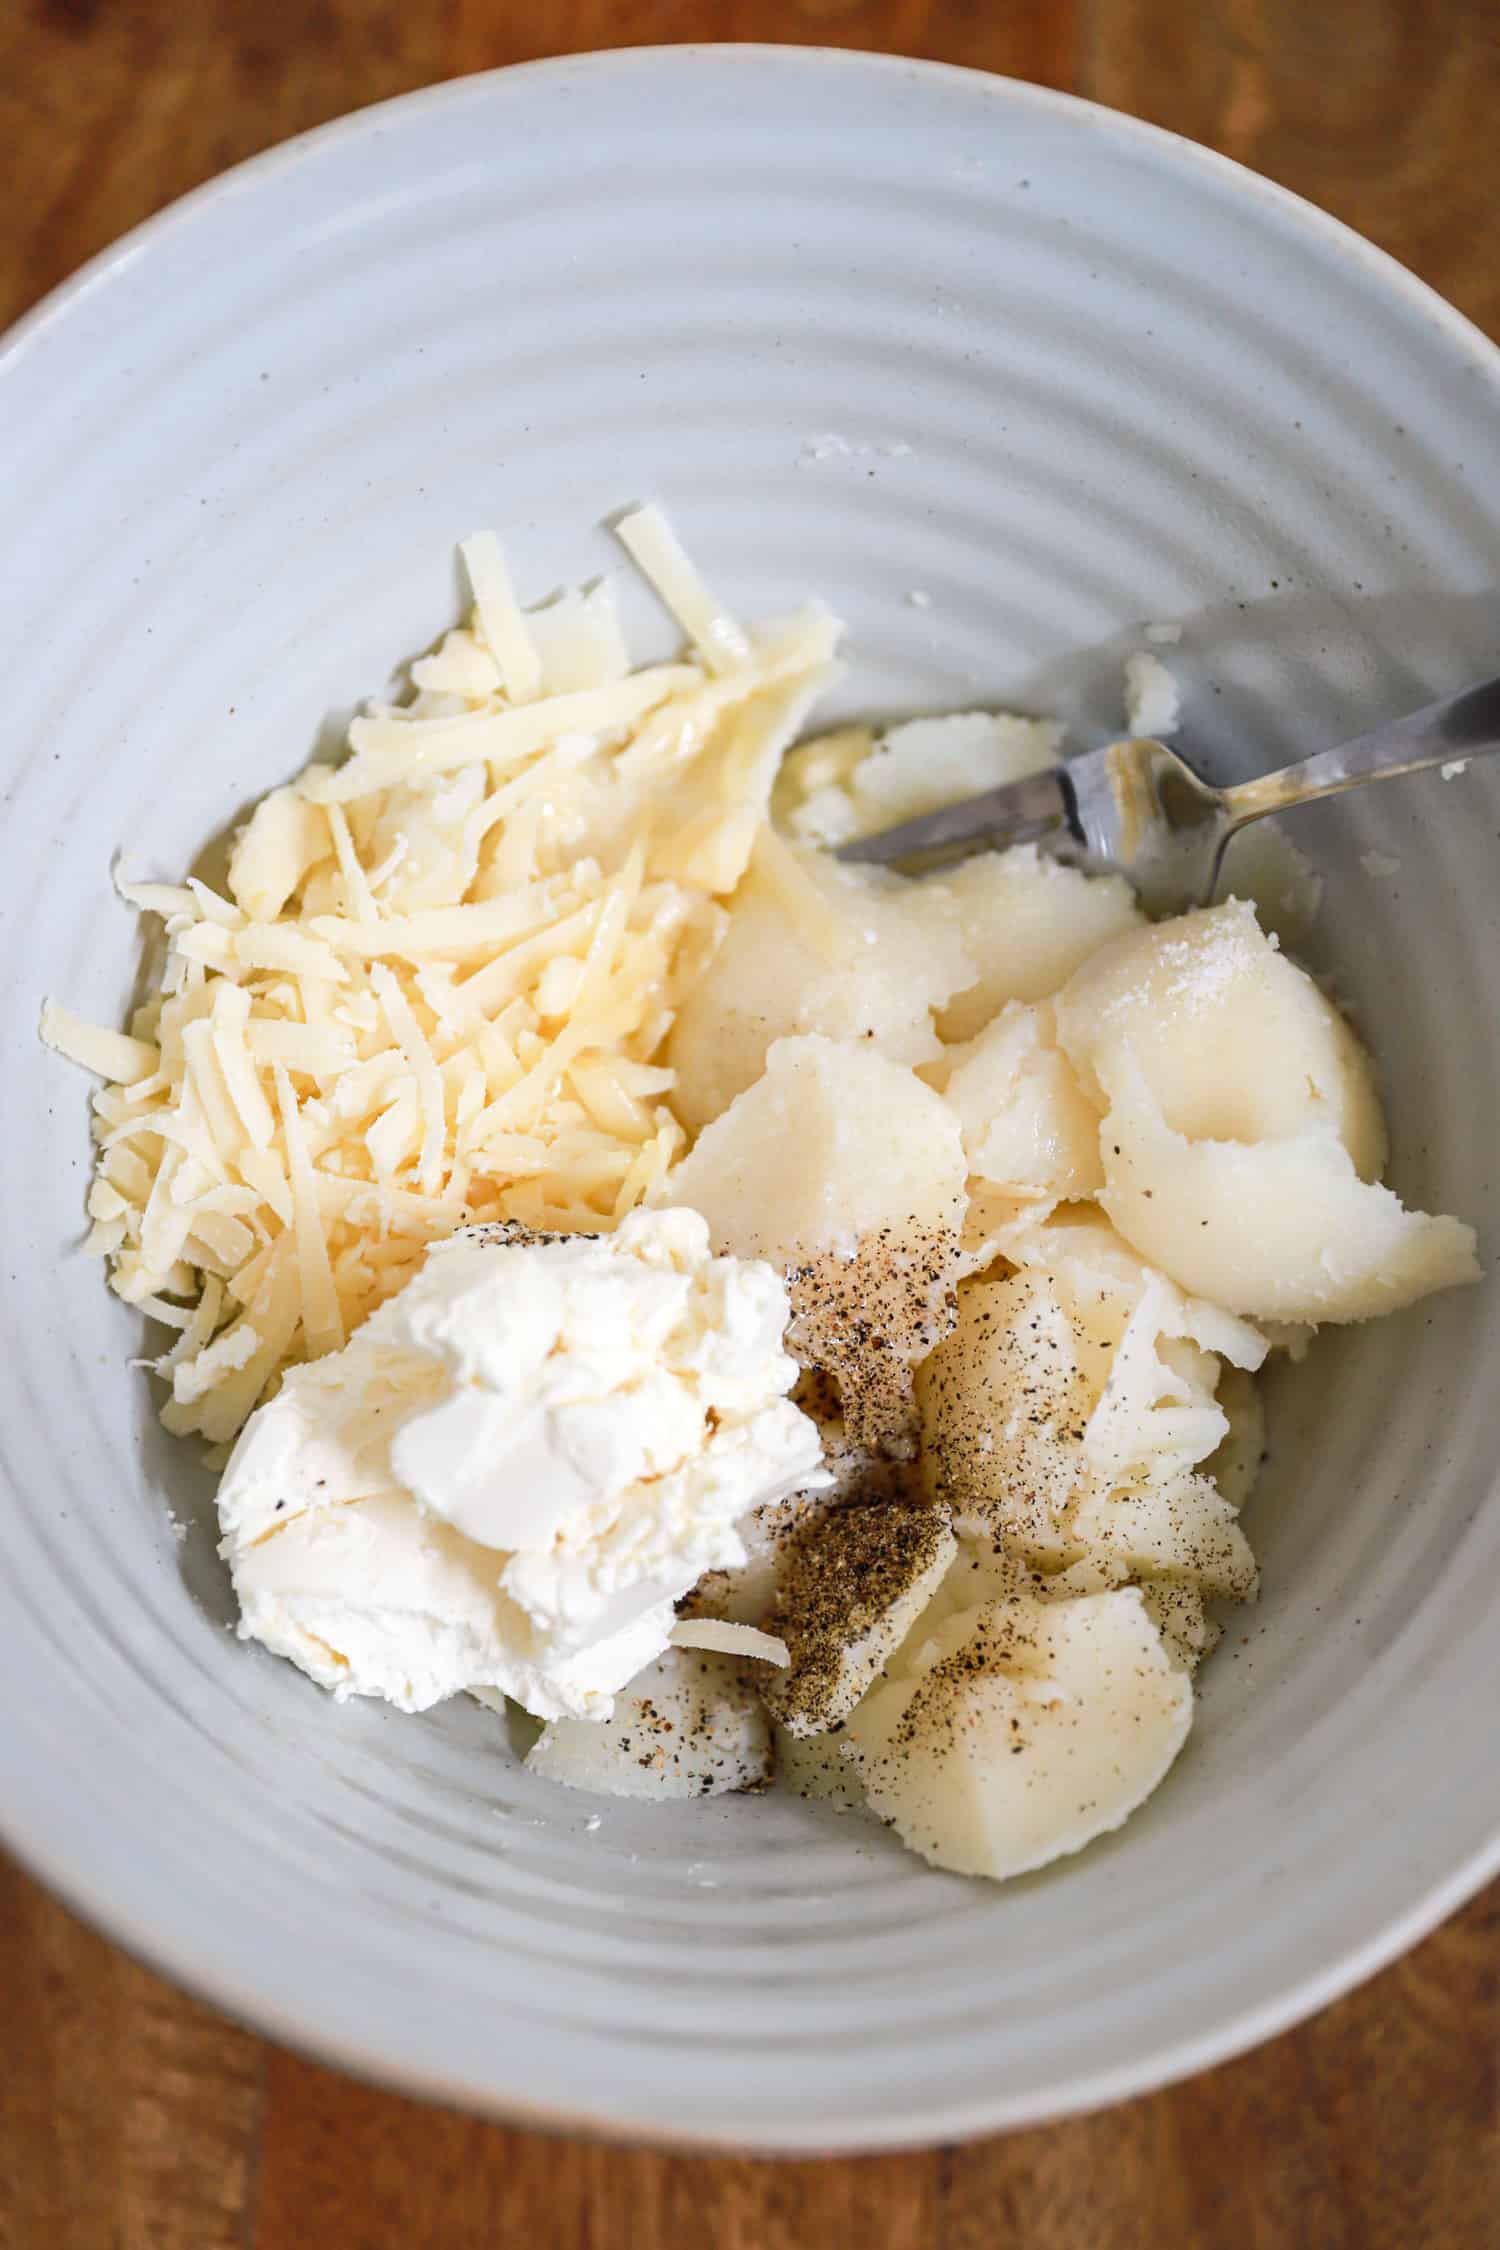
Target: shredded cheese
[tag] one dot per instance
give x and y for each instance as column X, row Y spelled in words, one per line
column 499, row 618
column 110, row 1054
column 653, row 545
column 322, row 1323
column 436, row 990
column 727, row 1639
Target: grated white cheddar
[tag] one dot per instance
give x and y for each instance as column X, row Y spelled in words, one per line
column 722, row 1638
column 653, row 545
column 438, row 986
column 110, row 1054
column 499, row 618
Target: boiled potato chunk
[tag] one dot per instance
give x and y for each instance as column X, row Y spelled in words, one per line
column 1067, row 1415
column 1004, row 1405
column 850, row 1590
column 746, row 1592
column 1235, row 1464
column 993, row 1221
column 690, row 1725
column 847, row 1172
column 1028, row 1128
column 1101, row 1280
column 926, row 763
column 1176, row 1610
column 818, row 1766
column 1232, row 1040
column 833, row 1143
column 1028, row 923
column 1037, row 1727
column 851, row 953
column 980, row 1573
column 1242, row 1137
column 852, row 782
column 1157, row 1410
column 824, row 761
column 1170, row 1525
column 1283, row 1230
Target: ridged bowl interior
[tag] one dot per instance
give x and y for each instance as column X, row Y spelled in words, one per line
column 872, row 330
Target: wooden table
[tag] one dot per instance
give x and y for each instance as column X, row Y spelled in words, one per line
column 133, row 2119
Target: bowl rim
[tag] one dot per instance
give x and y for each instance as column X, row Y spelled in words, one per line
column 83, row 1888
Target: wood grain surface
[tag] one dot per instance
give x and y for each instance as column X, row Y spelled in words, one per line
column 131, row 2118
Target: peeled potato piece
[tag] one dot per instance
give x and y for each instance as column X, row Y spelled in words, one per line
column 850, row 953
column 1004, row 1406
column 832, row 1143
column 810, row 800
column 850, row 1590
column 1069, row 1413
column 924, row 763
column 847, row 1172
column 1281, row 1229
column 992, row 1222
column 1236, row 1462
column 1157, row 1410
column 1100, row 1279
column 1241, row 1135
column 690, row 1725
column 1176, row 1610
column 817, row 1766
column 980, row 1573
column 1232, row 1041
column 1037, row 1727
column 1029, row 1130
column 853, row 782
column 1170, row 1525
column 1027, row 923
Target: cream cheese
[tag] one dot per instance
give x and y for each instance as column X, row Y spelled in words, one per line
column 516, row 1467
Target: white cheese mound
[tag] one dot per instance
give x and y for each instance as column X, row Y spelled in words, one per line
column 438, row 988
column 518, row 1466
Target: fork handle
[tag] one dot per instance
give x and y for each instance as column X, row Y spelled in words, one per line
column 1461, row 726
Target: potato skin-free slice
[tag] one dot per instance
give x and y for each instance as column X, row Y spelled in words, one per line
column 811, row 947
column 1036, row 1727
column 689, row 1725
column 847, row 1172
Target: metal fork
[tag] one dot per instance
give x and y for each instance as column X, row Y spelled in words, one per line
column 1138, row 808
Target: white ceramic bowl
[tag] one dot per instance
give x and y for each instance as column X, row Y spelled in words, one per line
column 871, row 329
